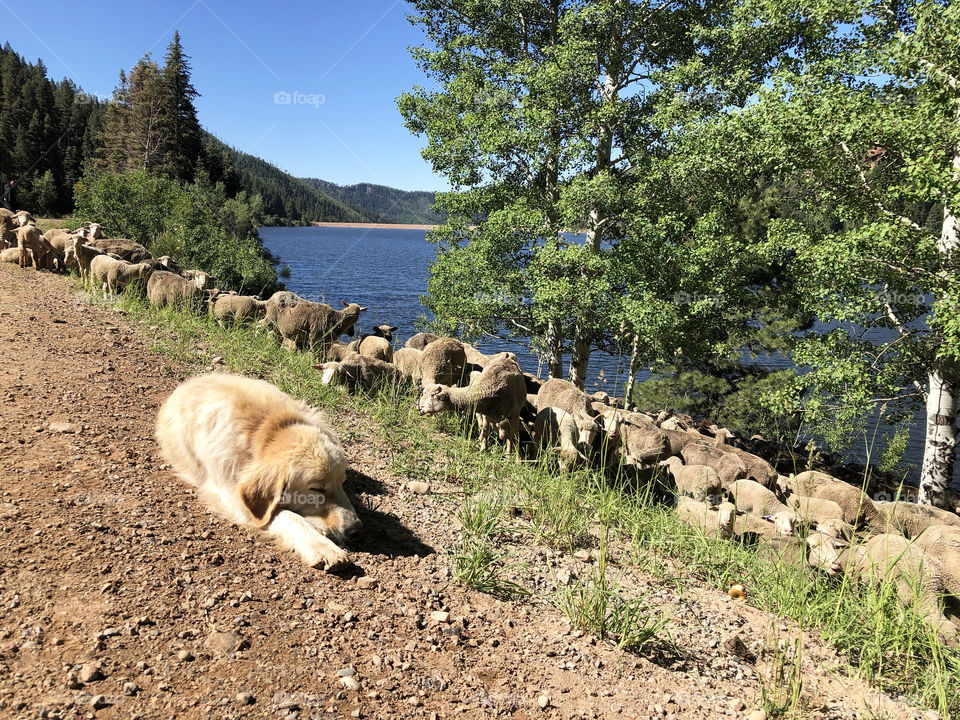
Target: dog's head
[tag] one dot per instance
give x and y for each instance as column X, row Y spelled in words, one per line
column 300, row 468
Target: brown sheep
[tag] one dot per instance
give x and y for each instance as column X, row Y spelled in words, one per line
column 121, row 247
column 238, row 308
column 443, row 363
column 168, row 289
column 697, row 481
column 11, row 255
column 715, row 521
column 496, row 399
column 408, row 361
column 79, row 254
column 359, row 372
column 566, row 396
column 376, row 346
column 910, row 519
column 421, row 340
column 728, row 466
column 60, row 239
column 115, row 274
column 35, row 249
column 308, row 325
column 277, row 302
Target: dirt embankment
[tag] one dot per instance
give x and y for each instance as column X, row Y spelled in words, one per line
column 121, row 596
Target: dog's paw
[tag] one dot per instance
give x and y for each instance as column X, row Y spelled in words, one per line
column 332, row 560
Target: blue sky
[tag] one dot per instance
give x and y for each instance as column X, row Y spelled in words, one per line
column 342, row 63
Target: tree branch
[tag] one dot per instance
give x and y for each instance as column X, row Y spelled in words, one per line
column 880, row 206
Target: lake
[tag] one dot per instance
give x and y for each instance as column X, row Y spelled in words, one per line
column 386, row 270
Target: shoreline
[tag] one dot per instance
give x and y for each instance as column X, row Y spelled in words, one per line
column 373, row 226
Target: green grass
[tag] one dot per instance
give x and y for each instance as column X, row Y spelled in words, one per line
column 508, row 505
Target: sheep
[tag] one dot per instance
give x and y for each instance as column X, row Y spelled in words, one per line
column 8, row 229
column 80, row 254
column 121, row 247
column 858, row 509
column 166, row 288
column 917, row 574
column 238, row 308
column 60, row 239
column 443, row 363
column 714, row 521
column 479, row 359
column 780, row 524
column 170, row 264
column 277, row 303
column 910, row 519
column 204, row 280
column 421, row 340
column 11, row 255
column 697, row 481
column 567, row 396
column 376, row 346
column 23, row 218
column 556, row 429
column 116, row 275
column 640, row 446
column 757, row 468
column 751, row 497
column 308, row 325
column 35, row 249
column 728, row 466
column 496, row 398
column 806, row 482
column 357, row 371
column 814, row 510
column 408, row 361
column 92, row 231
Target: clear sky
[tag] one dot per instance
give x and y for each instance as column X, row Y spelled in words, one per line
column 340, row 64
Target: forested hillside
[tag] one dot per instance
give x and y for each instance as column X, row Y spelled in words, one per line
column 47, row 130
column 285, row 198
column 382, row 203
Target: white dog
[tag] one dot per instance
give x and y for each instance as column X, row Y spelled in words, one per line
column 262, row 459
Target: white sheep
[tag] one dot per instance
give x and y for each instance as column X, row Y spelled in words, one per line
column 556, row 430
column 700, row 482
column 715, row 521
column 751, row 497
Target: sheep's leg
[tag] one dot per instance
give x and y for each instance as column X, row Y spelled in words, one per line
column 294, row 532
column 483, row 427
column 513, row 434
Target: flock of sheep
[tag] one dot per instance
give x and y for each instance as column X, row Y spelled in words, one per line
column 810, row 518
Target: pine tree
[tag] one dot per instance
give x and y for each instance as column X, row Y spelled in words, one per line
column 183, row 142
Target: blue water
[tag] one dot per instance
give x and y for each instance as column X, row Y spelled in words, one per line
column 386, row 270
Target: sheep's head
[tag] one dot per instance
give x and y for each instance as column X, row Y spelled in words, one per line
column 826, row 553
column 836, row 528
column 588, row 429
column 727, row 514
column 331, row 373
column 612, row 420
column 23, row 218
column 785, row 522
column 434, row 399
column 384, row 331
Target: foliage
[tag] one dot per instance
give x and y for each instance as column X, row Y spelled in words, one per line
column 384, row 204
column 197, row 224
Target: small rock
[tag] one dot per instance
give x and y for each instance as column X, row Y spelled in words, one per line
column 414, row 700
column 350, row 683
column 90, row 672
column 225, row 643
column 355, row 713
column 440, row 616
column 582, row 555
column 417, row 487
column 130, row 688
column 735, row 644
column 737, row 704
column 563, row 576
column 757, row 715
column 98, row 702
column 346, row 672
column 543, row 701
column 65, row 427
column 244, row 698
column 367, row 583
column 185, row 656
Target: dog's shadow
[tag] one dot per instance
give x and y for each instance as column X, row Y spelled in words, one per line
column 383, row 533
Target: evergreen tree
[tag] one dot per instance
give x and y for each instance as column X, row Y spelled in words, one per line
column 183, row 141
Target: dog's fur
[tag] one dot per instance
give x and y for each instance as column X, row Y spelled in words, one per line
column 262, row 459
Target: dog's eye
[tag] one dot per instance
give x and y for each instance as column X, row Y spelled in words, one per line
column 316, row 489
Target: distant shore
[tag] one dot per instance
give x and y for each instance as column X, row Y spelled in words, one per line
column 384, row 226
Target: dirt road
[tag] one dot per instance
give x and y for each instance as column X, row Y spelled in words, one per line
column 121, row 596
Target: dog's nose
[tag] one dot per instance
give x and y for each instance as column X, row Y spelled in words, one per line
column 353, row 532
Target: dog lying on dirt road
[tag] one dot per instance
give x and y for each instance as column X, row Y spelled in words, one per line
column 262, row 459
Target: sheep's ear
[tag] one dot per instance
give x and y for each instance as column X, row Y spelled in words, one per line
column 261, row 489
column 364, row 309
column 345, row 303
column 389, row 329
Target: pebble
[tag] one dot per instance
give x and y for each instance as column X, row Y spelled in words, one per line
column 757, row 715
column 225, row 643
column 90, row 672
column 414, row 700
column 350, row 682
column 346, row 672
column 184, row 656
column 737, row 704
column 130, row 688
column 98, row 701
column 440, row 616
column 65, row 427
column 543, row 701
column 367, row 583
column 418, row 487
column 244, row 698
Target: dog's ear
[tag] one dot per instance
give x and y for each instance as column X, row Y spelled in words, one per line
column 261, row 490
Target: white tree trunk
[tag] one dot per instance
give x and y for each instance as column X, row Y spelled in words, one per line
column 940, row 447
column 939, row 451
column 632, row 380
column 554, row 353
